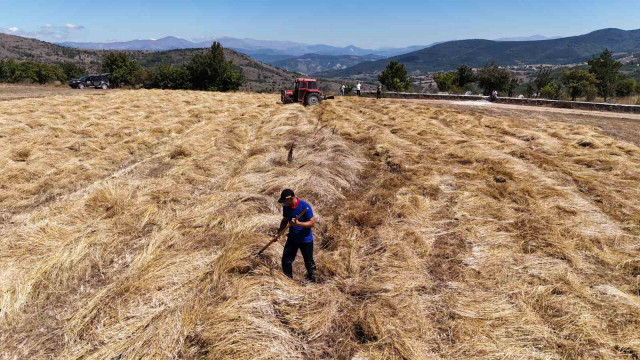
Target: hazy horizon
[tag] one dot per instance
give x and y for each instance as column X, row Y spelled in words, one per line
column 372, row 24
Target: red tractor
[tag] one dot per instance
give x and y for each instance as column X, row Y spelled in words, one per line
column 305, row 92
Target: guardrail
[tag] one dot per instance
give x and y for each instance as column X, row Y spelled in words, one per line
column 510, row 100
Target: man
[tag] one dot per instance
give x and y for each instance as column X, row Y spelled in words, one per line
column 379, row 91
column 358, row 88
column 342, row 88
column 494, row 95
column 300, row 234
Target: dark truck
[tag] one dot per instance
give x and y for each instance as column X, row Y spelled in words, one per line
column 98, row 81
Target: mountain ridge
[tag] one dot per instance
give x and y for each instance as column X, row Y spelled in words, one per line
column 246, row 45
column 479, row 52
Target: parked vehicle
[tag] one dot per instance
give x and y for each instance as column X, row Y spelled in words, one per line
column 98, row 81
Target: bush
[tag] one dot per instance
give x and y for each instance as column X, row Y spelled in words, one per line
column 445, row 81
column 143, row 77
column 529, row 90
column 543, row 78
column 552, row 91
column 591, row 93
column 121, row 68
column 169, row 77
column 395, row 77
column 492, row 77
column 71, row 70
column 579, row 83
column 626, row 87
column 464, row 76
column 348, row 88
column 46, row 73
column 210, row 71
column 511, row 87
column 28, row 71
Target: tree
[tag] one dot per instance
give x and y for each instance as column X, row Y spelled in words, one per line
column 551, row 91
column 72, row 71
column 579, row 83
column 169, row 77
column 605, row 68
column 211, row 72
column 511, row 87
column 45, row 73
column 543, row 78
column 529, row 90
column 348, row 88
column 395, row 77
column 626, row 87
column 492, row 77
column 464, row 76
column 121, row 68
column 29, row 71
column 445, row 81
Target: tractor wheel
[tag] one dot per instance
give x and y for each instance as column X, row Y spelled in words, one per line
column 104, row 87
column 80, row 86
column 312, row 99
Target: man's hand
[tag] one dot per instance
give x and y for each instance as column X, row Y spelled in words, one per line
column 305, row 224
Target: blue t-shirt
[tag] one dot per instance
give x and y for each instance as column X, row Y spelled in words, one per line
column 298, row 233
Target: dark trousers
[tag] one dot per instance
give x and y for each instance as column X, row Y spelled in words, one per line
column 358, row 92
column 289, row 255
column 379, row 95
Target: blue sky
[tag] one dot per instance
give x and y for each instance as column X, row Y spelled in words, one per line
column 373, row 23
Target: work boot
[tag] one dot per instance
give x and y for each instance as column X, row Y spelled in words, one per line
column 312, row 276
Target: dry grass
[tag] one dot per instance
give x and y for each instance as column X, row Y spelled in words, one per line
column 629, row 100
column 24, row 91
column 129, row 232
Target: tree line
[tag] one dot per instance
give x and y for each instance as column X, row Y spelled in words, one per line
column 208, row 71
column 602, row 77
column 12, row 71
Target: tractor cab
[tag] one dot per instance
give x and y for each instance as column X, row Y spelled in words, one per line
column 305, row 91
column 301, row 86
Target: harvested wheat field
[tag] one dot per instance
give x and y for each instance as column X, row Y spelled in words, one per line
column 129, row 223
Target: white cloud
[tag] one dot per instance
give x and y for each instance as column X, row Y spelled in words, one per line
column 45, row 32
column 203, row 38
column 73, row 27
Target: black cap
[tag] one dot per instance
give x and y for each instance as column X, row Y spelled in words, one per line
column 286, row 193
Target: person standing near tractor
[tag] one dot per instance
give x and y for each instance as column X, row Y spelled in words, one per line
column 342, row 88
column 299, row 215
column 379, row 91
column 358, row 86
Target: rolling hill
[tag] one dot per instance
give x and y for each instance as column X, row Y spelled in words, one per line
column 315, row 63
column 476, row 53
column 258, row 76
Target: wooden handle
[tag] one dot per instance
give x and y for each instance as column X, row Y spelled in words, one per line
column 281, row 232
